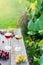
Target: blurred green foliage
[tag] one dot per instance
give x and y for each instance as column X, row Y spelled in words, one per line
column 10, row 12
column 35, row 25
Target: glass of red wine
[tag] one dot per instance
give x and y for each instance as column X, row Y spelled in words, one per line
column 8, row 36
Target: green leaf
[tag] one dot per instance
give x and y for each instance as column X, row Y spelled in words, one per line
column 31, row 26
column 36, row 59
column 31, row 0
column 37, row 25
column 41, row 22
column 31, row 43
column 39, row 1
column 32, row 52
column 34, row 0
column 40, row 43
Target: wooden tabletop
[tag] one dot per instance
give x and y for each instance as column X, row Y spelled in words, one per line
column 14, row 43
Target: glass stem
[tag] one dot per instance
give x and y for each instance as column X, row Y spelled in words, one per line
column 9, row 42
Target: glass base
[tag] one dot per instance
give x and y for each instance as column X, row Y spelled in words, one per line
column 8, row 48
column 17, row 48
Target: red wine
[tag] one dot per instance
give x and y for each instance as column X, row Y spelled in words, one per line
column 8, row 35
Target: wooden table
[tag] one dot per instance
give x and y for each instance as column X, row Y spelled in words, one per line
column 14, row 44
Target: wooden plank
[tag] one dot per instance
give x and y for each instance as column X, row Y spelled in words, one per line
column 16, row 43
column 2, row 47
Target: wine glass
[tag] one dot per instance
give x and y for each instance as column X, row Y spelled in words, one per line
column 18, row 47
column 18, row 37
column 0, row 35
column 8, row 36
column 2, row 32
